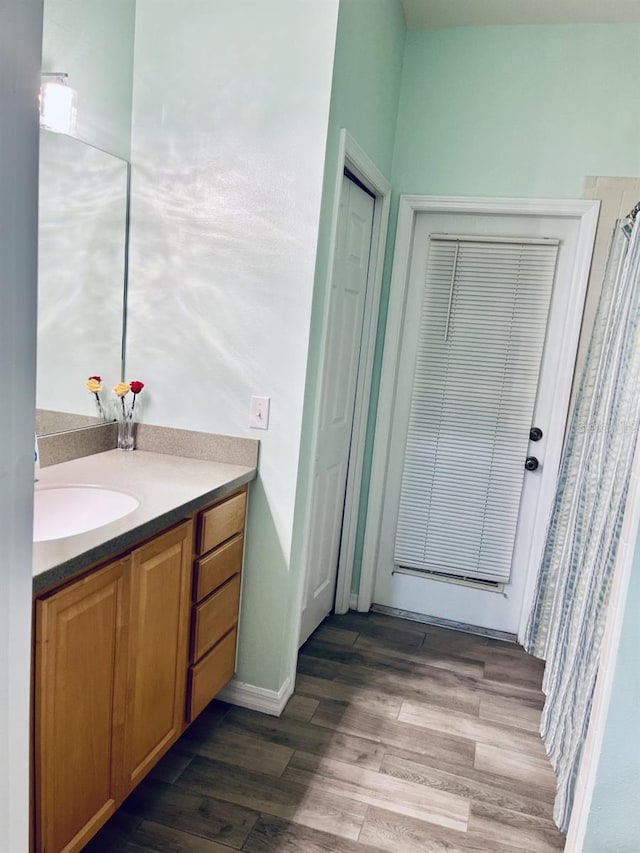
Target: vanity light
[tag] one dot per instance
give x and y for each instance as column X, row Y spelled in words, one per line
column 58, row 103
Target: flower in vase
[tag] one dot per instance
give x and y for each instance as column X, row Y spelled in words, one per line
column 136, row 388
column 121, row 390
column 94, row 385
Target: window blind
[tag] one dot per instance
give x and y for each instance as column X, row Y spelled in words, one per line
column 480, row 345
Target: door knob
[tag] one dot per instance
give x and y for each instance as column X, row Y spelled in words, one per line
column 531, row 463
column 535, row 434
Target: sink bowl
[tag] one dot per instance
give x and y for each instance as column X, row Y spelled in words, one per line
column 60, row 511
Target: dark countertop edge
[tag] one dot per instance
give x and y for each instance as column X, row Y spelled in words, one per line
column 111, row 549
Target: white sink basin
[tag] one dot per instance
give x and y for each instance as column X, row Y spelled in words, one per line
column 60, row 511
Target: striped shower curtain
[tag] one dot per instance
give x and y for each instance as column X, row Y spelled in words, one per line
column 568, row 614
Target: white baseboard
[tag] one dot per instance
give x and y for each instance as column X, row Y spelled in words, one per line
column 257, row 698
column 353, row 601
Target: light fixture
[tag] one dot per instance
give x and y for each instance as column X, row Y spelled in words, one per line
column 58, row 103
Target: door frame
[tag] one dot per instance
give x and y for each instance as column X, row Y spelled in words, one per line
column 357, row 161
column 586, row 212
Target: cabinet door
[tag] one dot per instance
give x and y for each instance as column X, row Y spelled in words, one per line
column 158, row 649
column 80, row 682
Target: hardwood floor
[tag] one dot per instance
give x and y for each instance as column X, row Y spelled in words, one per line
column 400, row 737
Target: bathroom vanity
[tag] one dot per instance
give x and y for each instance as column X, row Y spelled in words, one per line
column 135, row 628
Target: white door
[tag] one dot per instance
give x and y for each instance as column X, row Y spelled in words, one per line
column 339, row 378
column 448, row 585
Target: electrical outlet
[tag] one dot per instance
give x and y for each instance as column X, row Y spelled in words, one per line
column 259, row 413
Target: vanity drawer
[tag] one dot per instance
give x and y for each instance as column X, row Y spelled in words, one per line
column 221, row 522
column 215, row 617
column 216, row 568
column 209, row 676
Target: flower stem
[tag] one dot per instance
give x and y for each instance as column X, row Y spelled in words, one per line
column 99, row 402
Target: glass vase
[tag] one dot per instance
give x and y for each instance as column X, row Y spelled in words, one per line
column 126, row 434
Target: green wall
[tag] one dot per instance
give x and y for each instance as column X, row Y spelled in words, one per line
column 510, row 111
column 365, row 93
column 366, row 77
column 231, row 105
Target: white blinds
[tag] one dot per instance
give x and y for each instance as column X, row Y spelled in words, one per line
column 480, row 344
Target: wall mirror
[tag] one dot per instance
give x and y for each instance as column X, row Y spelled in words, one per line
column 83, row 219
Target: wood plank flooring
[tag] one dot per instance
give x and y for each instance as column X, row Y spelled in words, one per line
column 400, row 737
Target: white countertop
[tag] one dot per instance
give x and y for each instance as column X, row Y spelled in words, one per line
column 168, row 488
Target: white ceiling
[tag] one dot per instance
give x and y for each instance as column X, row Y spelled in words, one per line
column 420, row 14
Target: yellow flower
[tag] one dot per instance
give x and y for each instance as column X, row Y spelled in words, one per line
column 93, row 385
column 121, row 389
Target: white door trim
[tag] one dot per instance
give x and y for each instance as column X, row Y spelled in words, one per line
column 353, row 157
column 359, row 163
column 410, row 206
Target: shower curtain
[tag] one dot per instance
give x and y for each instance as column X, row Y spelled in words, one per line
column 568, row 614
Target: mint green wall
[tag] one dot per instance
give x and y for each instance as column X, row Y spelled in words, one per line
column 366, row 78
column 364, row 99
column 230, row 113
column 510, row 111
column 614, row 819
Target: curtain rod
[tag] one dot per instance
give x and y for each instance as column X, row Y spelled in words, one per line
column 634, row 212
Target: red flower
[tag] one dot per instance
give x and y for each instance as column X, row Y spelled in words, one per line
column 97, row 378
column 136, row 387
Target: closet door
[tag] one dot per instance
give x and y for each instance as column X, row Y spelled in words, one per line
column 339, row 372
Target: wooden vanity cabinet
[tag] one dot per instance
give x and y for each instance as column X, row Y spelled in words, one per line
column 216, row 599
column 125, row 658
column 110, row 673
column 80, row 672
